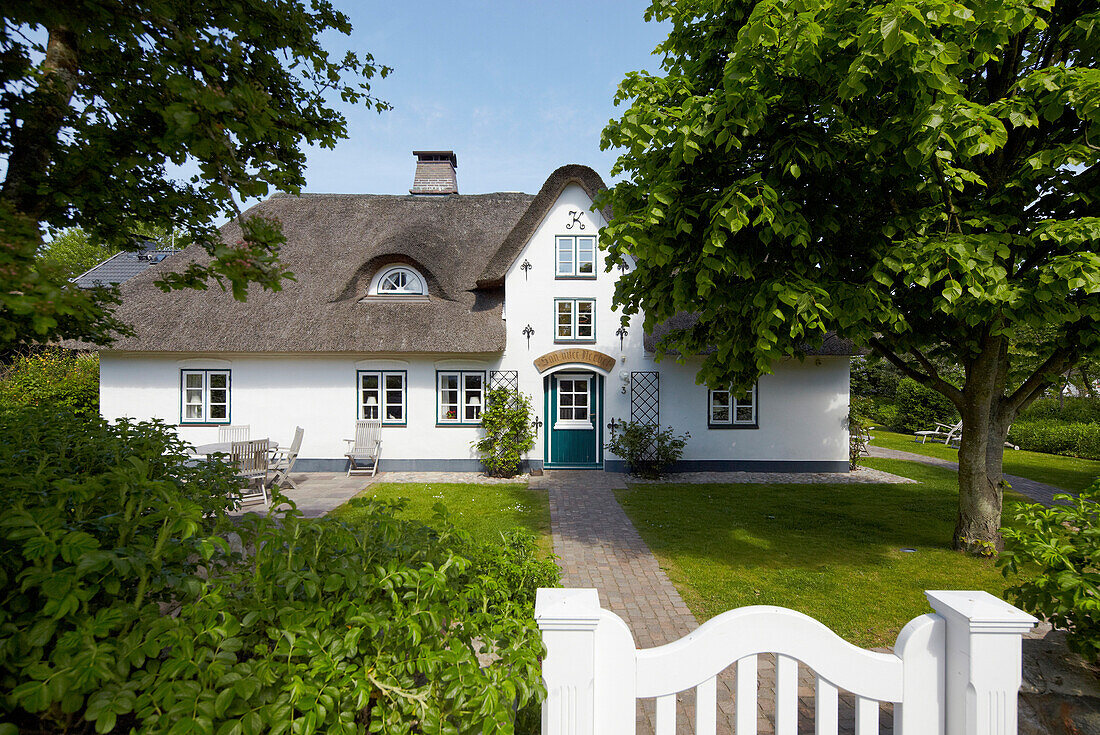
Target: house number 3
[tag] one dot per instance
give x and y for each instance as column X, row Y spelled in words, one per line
column 575, row 219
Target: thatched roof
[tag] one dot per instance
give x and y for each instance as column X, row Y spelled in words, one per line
column 832, row 344
column 509, row 250
column 335, row 244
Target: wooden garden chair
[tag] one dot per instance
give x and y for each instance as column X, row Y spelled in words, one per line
column 251, row 460
column 365, row 448
column 942, row 431
column 238, row 433
column 283, row 459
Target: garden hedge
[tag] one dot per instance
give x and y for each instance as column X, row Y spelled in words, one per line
column 1057, row 437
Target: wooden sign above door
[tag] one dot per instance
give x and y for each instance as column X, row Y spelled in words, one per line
column 572, row 356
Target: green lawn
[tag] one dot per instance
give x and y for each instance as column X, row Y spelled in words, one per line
column 1068, row 473
column 483, row 510
column 830, row 551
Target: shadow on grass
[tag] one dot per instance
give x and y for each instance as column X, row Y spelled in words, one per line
column 800, row 526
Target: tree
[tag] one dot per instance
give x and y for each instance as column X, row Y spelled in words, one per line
column 71, row 252
column 920, row 176
column 103, row 102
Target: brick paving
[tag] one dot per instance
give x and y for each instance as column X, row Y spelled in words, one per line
column 598, row 546
column 1037, row 491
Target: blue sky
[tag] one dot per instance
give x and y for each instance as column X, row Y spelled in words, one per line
column 516, row 89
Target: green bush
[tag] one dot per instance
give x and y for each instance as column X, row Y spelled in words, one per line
column 919, row 408
column 54, row 379
column 1054, row 554
column 131, row 603
column 874, row 379
column 1057, row 437
column 648, row 450
column 1073, row 410
column 509, row 434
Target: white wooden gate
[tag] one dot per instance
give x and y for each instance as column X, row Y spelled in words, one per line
column 953, row 672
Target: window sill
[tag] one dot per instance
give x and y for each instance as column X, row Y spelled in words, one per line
column 573, row 426
column 574, row 341
column 440, row 424
column 390, row 423
column 733, row 426
column 559, row 277
column 203, row 423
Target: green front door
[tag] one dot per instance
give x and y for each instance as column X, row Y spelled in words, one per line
column 574, row 403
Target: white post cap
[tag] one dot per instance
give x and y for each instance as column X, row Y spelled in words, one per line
column 983, row 612
column 567, row 609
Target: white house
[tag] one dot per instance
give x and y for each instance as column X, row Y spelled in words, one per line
column 408, row 307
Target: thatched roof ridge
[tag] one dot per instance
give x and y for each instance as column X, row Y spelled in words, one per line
column 573, row 173
column 335, row 244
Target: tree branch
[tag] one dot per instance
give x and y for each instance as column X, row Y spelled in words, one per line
column 931, row 380
column 1058, row 362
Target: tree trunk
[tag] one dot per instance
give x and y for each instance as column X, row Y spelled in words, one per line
column 35, row 140
column 977, row 527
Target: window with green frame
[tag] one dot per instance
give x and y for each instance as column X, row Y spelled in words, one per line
column 204, row 396
column 460, row 396
column 575, row 256
column 382, row 395
column 574, row 320
column 726, row 409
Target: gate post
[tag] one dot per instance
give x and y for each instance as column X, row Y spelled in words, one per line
column 568, row 619
column 984, row 660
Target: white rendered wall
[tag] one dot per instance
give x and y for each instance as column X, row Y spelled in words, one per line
column 275, row 393
column 802, row 406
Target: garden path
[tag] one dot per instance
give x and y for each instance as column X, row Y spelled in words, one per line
column 1037, row 491
column 598, row 546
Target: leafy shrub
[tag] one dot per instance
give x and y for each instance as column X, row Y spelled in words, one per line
column 1057, row 437
column 919, row 408
column 54, row 379
column 132, row 603
column 509, row 435
column 648, row 450
column 1059, row 549
column 1072, row 410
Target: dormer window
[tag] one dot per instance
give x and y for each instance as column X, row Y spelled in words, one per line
column 399, row 281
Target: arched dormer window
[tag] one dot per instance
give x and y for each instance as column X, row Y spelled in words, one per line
column 404, row 281
column 401, row 281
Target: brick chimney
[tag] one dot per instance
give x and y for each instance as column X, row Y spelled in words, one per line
column 435, row 173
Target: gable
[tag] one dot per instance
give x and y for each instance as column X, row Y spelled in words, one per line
column 517, row 239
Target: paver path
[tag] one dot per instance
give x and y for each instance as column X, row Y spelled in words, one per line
column 598, row 546
column 1037, row 491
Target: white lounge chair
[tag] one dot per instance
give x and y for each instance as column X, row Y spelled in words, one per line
column 238, row 433
column 942, row 431
column 282, row 460
column 365, row 448
column 953, row 437
column 251, row 460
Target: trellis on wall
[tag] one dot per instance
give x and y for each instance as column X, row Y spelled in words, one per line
column 645, row 397
column 507, row 379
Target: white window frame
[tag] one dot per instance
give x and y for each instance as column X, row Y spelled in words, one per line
column 734, row 405
column 205, row 403
column 574, row 322
column 575, row 424
column 416, row 285
column 466, row 398
column 572, row 245
column 382, row 403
